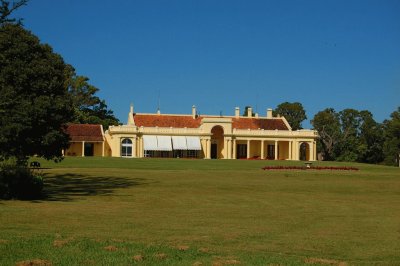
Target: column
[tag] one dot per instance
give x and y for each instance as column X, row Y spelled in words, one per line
column 102, row 149
column 248, row 149
column 141, row 147
column 225, row 148
column 234, row 156
column 229, row 149
column 83, row 149
column 290, row 151
column 311, row 156
column 296, row 150
column 315, row 150
column 276, row 150
column 262, row 150
column 134, row 147
column 208, row 152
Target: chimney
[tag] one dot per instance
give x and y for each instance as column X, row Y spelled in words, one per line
column 237, row 112
column 158, row 111
column 194, row 111
column 269, row 113
column 249, row 112
column 131, row 120
column 256, row 115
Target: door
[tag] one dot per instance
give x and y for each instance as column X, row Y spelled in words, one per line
column 214, row 151
column 89, row 149
column 271, row 152
column 241, row 151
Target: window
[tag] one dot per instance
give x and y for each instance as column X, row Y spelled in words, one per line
column 126, row 148
column 178, row 154
column 192, row 153
column 165, row 154
column 150, row 153
column 271, row 152
column 241, row 151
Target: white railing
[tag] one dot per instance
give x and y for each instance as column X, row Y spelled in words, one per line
column 122, row 129
column 170, row 130
column 275, row 133
column 154, row 130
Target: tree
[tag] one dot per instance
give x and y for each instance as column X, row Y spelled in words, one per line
column 349, row 135
column 34, row 99
column 88, row 108
column 6, row 10
column 391, row 145
column 293, row 112
column 327, row 123
column 370, row 140
column 347, row 147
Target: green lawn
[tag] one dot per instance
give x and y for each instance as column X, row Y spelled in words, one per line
column 105, row 211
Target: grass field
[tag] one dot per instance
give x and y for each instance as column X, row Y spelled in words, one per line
column 114, row 211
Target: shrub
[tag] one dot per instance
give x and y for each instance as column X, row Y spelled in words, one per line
column 19, row 181
column 342, row 168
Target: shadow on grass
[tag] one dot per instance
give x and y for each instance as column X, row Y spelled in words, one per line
column 68, row 187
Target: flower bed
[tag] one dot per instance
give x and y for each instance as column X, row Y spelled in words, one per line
column 341, row 168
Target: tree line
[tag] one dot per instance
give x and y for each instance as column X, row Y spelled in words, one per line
column 349, row 135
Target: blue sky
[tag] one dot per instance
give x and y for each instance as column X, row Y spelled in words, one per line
column 221, row 54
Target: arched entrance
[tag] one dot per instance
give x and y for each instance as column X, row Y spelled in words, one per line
column 217, row 142
column 304, row 151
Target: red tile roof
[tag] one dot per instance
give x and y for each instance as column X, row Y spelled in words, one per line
column 181, row 121
column 177, row 121
column 257, row 123
column 85, row 132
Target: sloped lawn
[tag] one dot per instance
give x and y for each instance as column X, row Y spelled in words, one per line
column 114, row 211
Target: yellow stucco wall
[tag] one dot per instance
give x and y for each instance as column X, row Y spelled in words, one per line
column 283, row 147
column 75, row 149
column 98, row 149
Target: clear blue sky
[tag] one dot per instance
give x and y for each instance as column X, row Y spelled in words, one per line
column 222, row 54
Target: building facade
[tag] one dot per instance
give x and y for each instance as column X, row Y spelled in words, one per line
column 208, row 137
column 85, row 140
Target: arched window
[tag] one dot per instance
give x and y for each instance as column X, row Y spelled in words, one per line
column 126, row 148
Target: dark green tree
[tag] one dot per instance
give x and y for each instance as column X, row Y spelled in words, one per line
column 349, row 135
column 391, row 145
column 370, row 149
column 347, row 147
column 6, row 9
column 88, row 107
column 34, row 99
column 293, row 112
column 327, row 123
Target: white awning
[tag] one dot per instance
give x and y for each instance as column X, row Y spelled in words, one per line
column 179, row 142
column 193, row 143
column 150, row 143
column 164, row 143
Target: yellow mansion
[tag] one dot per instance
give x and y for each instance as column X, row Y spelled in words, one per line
column 196, row 136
